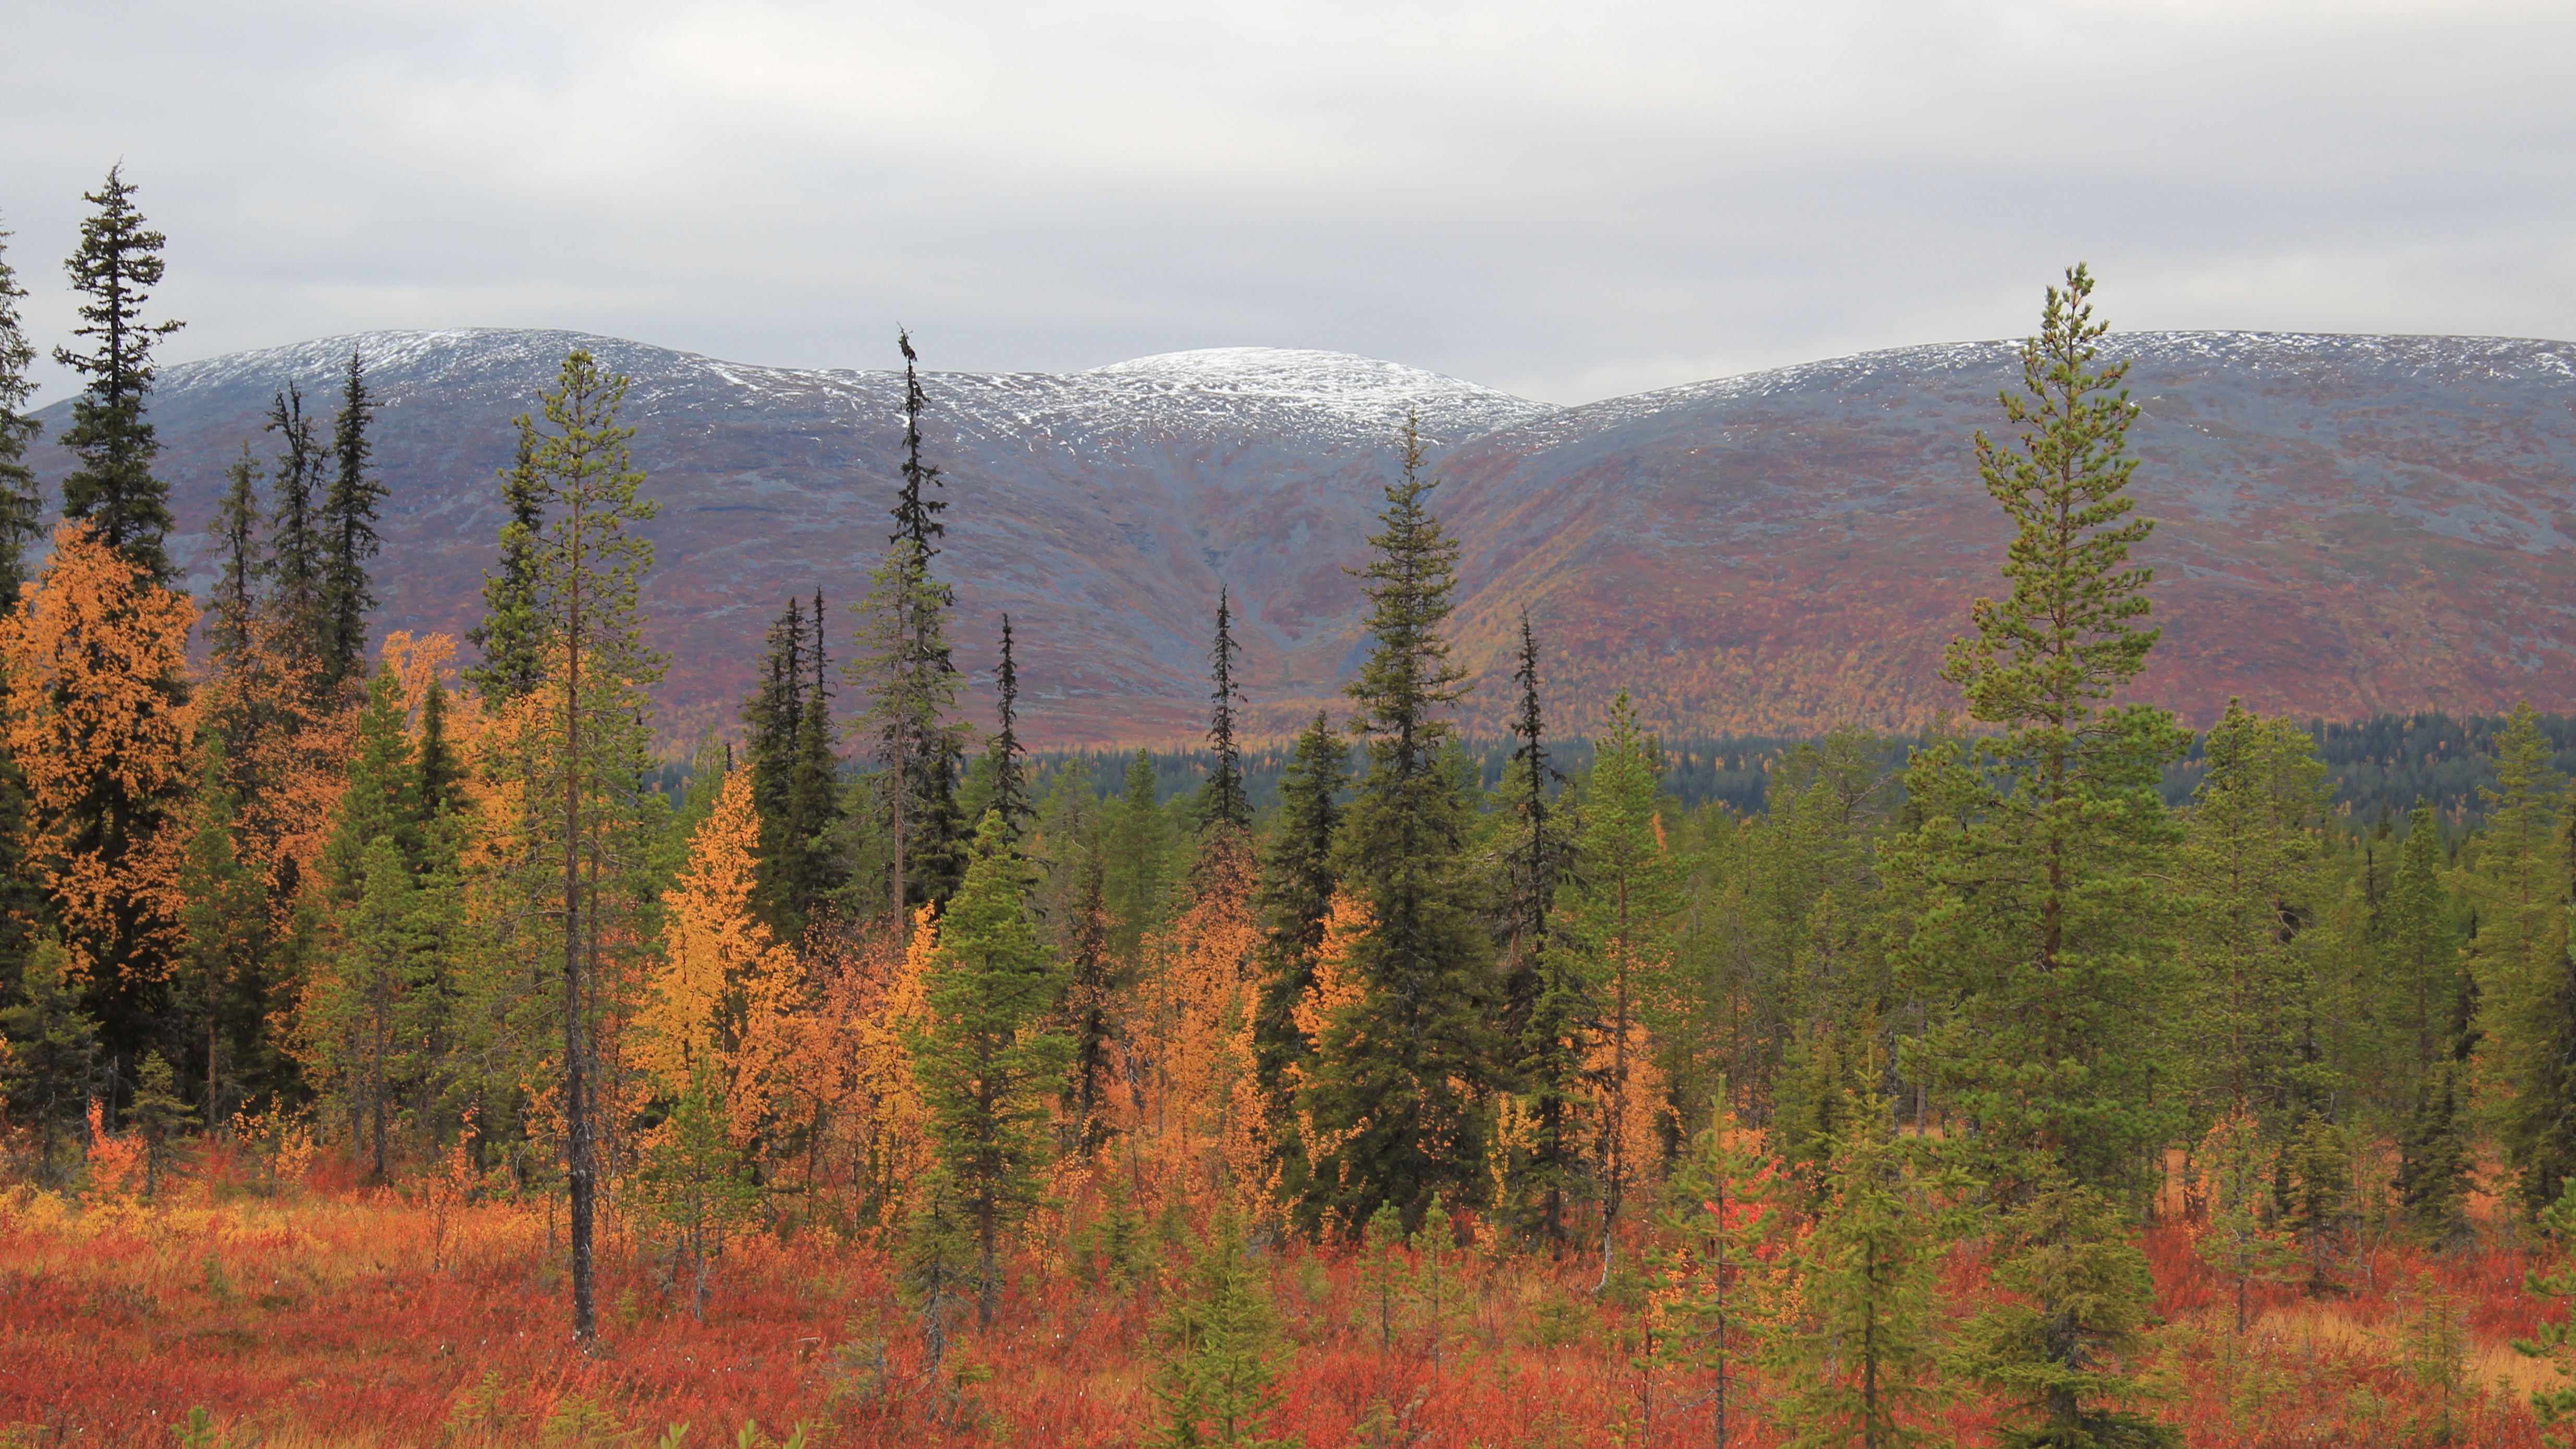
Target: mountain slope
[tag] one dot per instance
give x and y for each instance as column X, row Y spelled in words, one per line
column 2347, row 523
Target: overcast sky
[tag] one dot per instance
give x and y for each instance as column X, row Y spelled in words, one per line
column 1568, row 201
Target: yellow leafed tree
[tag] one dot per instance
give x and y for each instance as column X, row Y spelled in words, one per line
column 102, row 728
column 1203, row 1124
column 721, row 993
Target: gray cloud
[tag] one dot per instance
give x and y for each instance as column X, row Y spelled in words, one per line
column 1565, row 201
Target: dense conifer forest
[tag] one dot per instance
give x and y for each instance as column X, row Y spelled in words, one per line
column 397, row 1051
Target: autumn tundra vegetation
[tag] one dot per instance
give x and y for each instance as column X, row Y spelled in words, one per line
column 391, row 1059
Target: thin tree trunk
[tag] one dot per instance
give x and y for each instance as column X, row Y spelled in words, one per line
column 577, row 1170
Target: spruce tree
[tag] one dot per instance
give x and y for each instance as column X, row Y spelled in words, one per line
column 989, row 1060
column 906, row 671
column 813, row 785
column 1093, row 981
column 1402, row 1081
column 2036, row 927
column 773, row 718
column 347, row 524
column 1138, row 843
column 220, row 963
column 512, row 635
column 119, row 260
column 2419, row 949
column 234, row 611
column 1548, row 997
column 1294, row 902
column 297, row 566
column 1010, row 795
column 1218, row 1382
column 22, row 501
column 52, row 1068
column 1225, row 805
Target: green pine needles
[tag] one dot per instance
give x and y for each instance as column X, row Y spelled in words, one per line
column 1402, row 1083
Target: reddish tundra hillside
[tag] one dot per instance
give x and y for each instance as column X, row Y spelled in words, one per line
column 2348, row 524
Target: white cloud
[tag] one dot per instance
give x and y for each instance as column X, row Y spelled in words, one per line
column 1562, row 200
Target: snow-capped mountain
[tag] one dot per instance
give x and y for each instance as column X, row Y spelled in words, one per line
column 2348, row 523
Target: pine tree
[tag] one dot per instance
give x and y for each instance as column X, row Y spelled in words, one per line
column 2034, row 926
column 693, row 1183
column 2249, row 863
column 1718, row 1213
column 22, row 501
column 50, row 1071
column 582, row 758
column 159, row 1115
column 2527, row 1002
column 1225, row 806
column 512, row 635
column 113, row 488
column 1010, row 795
column 2434, row 1162
column 1219, row 1382
column 1402, row 1079
column 348, row 528
column 989, row 1060
column 1860, row 1361
column 1613, row 918
column 223, row 920
column 2419, row 955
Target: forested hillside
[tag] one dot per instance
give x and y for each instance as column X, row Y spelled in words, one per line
column 391, row 1059
column 2349, row 525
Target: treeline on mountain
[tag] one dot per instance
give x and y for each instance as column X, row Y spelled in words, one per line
column 878, row 975
column 2377, row 770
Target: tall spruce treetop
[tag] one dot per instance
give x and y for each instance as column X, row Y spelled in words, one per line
column 298, row 558
column 348, row 527
column 907, row 670
column 234, row 532
column 1227, row 804
column 1541, row 852
column 21, row 500
column 113, row 488
column 512, row 635
column 1010, row 772
column 1403, row 1074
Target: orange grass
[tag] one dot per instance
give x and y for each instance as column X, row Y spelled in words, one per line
column 327, row 1316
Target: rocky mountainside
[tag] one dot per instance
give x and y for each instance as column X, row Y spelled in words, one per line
column 2349, row 524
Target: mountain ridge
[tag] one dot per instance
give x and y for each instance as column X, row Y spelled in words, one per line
column 2348, row 522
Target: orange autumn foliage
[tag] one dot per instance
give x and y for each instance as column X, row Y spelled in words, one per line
column 102, row 728
column 1198, row 1127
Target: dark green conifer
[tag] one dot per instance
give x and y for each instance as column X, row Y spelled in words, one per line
column 1294, row 903
column 234, row 531
column 1010, row 782
column 348, row 529
column 1402, row 1079
column 1225, row 805
column 990, row 1061
column 22, row 501
column 513, row 633
column 113, row 489
column 298, row 560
